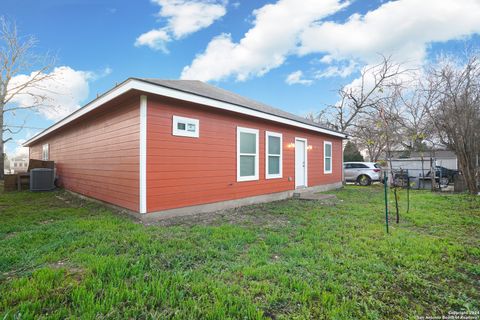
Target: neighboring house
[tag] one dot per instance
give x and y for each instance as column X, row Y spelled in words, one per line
column 18, row 164
column 443, row 158
column 154, row 145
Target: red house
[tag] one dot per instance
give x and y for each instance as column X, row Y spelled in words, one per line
column 175, row 146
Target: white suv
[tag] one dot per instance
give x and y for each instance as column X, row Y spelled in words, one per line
column 363, row 173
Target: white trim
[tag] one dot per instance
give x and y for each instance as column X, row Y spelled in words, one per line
column 256, row 132
column 280, row 174
column 325, row 171
column 134, row 84
column 115, row 92
column 45, row 152
column 143, row 154
column 306, row 161
column 185, row 133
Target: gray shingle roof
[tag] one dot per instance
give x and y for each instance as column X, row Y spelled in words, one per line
column 206, row 90
column 197, row 88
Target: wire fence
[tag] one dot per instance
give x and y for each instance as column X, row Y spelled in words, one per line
column 419, row 179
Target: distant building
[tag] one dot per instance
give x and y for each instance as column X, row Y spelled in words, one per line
column 19, row 164
column 413, row 160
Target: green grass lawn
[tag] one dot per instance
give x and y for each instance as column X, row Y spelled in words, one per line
column 66, row 258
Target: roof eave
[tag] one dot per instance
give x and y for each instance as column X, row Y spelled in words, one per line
column 149, row 87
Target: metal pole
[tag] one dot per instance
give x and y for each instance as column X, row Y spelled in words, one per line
column 408, row 192
column 440, row 177
column 386, row 201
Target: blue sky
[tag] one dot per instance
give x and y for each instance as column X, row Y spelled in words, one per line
column 289, row 54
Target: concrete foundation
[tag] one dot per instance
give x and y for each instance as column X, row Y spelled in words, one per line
column 152, row 217
column 216, row 206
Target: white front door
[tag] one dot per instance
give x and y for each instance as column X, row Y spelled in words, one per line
column 300, row 163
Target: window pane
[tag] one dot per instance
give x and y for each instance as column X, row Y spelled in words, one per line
column 328, row 150
column 181, row 126
column 273, row 145
column 248, row 142
column 328, row 164
column 191, row 127
column 273, row 165
column 247, row 166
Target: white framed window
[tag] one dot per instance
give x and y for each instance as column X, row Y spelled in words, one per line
column 185, row 127
column 273, row 155
column 45, row 152
column 247, row 154
column 327, row 157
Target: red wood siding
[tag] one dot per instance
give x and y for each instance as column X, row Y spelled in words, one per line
column 98, row 156
column 183, row 171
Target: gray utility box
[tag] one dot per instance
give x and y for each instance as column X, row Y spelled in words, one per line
column 42, row 179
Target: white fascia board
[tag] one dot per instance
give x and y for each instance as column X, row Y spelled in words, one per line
column 190, row 97
column 143, row 155
column 133, row 84
column 110, row 95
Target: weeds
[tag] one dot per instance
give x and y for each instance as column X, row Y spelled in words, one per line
column 74, row 259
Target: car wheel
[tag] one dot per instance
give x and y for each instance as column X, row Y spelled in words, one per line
column 444, row 182
column 364, row 180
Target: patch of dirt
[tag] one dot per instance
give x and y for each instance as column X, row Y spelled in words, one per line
column 63, row 199
column 46, row 221
column 72, row 271
column 79, row 201
column 10, row 235
column 330, row 202
column 248, row 215
column 275, row 257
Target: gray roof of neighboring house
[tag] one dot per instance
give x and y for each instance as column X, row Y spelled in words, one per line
column 206, row 90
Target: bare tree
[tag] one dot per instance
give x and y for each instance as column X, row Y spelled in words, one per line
column 387, row 108
column 357, row 111
column 391, row 120
column 415, row 118
column 365, row 94
column 16, row 58
column 368, row 135
column 456, row 111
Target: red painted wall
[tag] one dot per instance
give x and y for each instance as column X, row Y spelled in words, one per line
column 98, row 155
column 183, row 171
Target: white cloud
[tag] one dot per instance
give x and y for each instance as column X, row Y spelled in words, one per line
column 95, row 75
column 104, row 73
column 402, row 28
column 297, row 78
column 327, row 59
column 265, row 46
column 20, row 151
column 341, row 70
column 14, row 148
column 154, row 39
column 183, row 18
column 63, row 91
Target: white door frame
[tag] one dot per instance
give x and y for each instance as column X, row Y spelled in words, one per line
column 306, row 161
